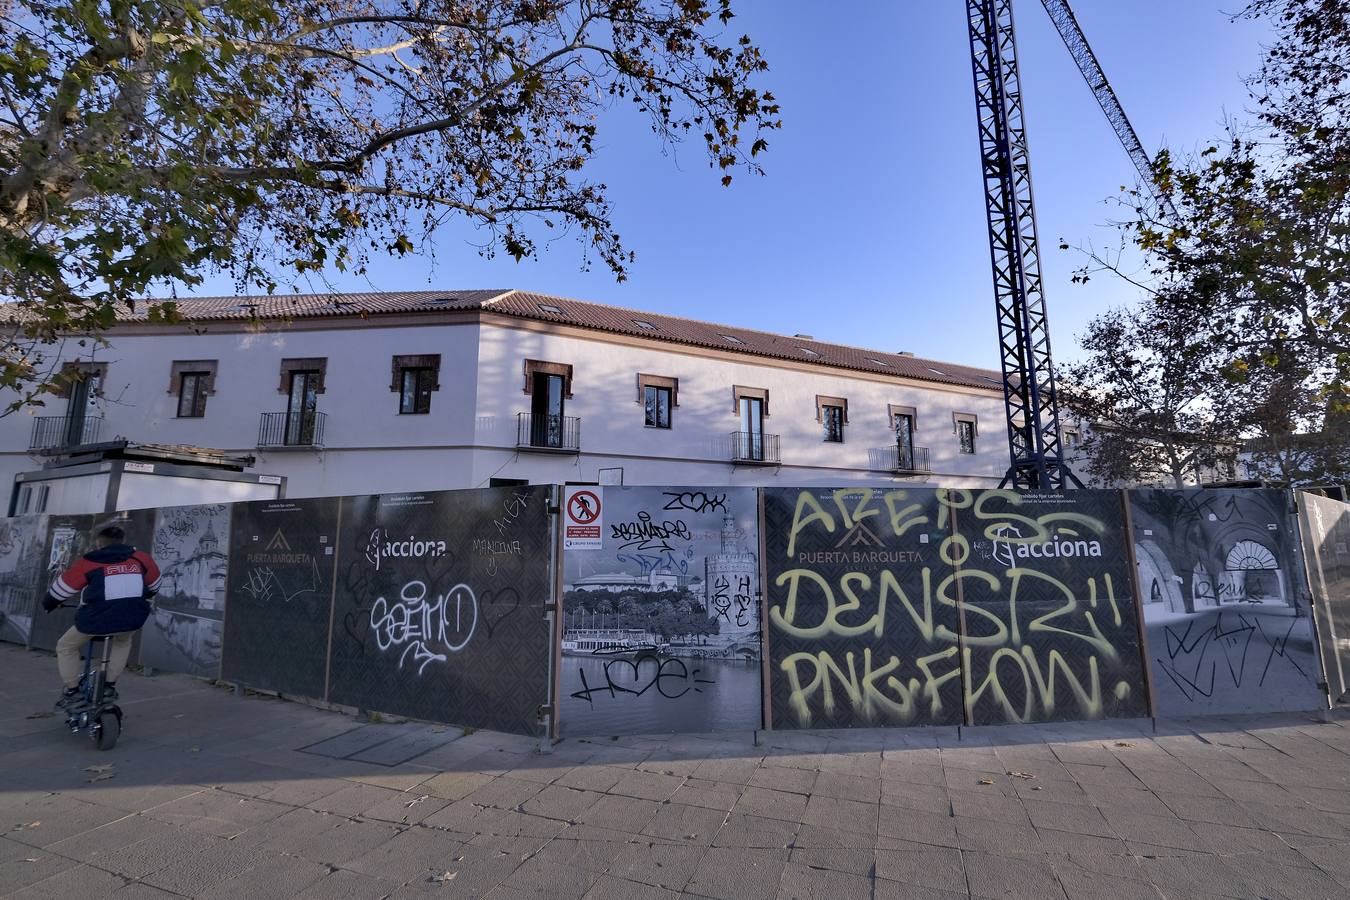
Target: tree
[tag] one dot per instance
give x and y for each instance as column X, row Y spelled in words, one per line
column 144, row 143
column 1256, row 258
column 1146, row 388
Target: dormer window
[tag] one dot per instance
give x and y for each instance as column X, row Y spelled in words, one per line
column 644, row 325
column 550, row 308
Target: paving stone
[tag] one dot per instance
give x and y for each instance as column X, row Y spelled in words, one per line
column 755, row 832
column 832, row 812
column 1068, row 817
column 920, row 827
column 416, row 852
column 647, row 786
column 29, row 866
column 991, row 876
column 802, row 881
column 607, row 887
column 685, row 824
column 217, row 812
column 738, row 873
column 79, row 881
column 344, row 884
column 928, row 867
column 274, row 877
column 772, row 804
column 663, row 865
column 563, row 803
column 709, row 794
column 620, row 813
column 854, row 862
column 538, row 878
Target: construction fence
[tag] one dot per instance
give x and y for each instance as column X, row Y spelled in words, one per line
column 587, row 610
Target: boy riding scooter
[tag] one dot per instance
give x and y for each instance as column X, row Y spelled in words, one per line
column 114, row 582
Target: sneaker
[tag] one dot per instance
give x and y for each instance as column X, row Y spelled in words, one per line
column 69, row 697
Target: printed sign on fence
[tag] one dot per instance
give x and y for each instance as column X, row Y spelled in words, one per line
column 661, row 628
column 281, row 590
column 583, row 519
column 440, row 606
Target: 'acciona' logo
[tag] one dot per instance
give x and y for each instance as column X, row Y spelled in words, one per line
column 380, row 547
column 1011, row 550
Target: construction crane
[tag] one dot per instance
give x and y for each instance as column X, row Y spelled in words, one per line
column 1030, row 401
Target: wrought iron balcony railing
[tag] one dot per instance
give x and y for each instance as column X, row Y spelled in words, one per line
column 291, row 429
column 64, row 432
column 753, row 448
column 555, row 434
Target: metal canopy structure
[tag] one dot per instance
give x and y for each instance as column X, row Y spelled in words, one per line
column 1036, row 452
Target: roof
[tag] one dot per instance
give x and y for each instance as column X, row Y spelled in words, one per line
column 580, row 314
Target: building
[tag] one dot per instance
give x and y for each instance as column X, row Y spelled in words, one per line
column 366, row 393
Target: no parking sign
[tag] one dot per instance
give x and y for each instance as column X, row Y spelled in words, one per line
column 582, row 519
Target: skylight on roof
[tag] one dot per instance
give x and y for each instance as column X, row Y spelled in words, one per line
column 731, row 338
column 242, row 307
column 550, row 308
column 438, row 301
column 877, row 362
column 808, row 351
column 938, row 372
column 641, row 324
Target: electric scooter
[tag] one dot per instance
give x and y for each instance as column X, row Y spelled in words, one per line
column 100, row 717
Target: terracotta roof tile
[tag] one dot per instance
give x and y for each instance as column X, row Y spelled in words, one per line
column 582, row 314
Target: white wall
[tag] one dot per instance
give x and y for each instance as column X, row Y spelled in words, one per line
column 470, row 435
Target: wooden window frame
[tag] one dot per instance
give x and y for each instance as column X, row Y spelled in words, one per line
column 304, row 364
column 739, row 390
column 645, row 381
column 543, row 367
column 823, row 401
column 419, row 361
column 894, row 409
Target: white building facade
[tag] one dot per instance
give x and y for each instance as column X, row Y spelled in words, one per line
column 374, row 393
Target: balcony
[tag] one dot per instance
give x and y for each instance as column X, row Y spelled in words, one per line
column 548, row 433
column 753, row 448
column 901, row 460
column 302, row 431
column 53, row 434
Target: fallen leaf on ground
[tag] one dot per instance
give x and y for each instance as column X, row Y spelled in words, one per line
column 41, row 714
column 194, row 749
column 986, row 781
column 443, row 877
column 411, row 803
column 101, row 777
column 1124, row 744
column 99, row 769
column 1021, row 775
column 178, row 715
column 1036, row 788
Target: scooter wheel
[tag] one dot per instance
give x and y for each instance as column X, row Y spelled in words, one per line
column 106, row 730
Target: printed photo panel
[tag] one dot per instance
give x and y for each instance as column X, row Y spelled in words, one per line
column 22, row 575
column 1225, row 608
column 184, row 631
column 661, row 628
column 280, row 579
column 1050, row 629
column 440, row 606
column 862, row 617
column 1325, row 524
column 68, row 538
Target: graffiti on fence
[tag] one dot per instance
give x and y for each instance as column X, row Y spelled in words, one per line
column 1050, row 629
column 439, row 606
column 661, row 628
column 862, row 617
column 1228, row 624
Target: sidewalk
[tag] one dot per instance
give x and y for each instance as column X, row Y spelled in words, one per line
column 209, row 795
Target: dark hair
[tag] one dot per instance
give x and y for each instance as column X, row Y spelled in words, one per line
column 112, row 533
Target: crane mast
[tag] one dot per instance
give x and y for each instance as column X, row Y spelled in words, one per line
column 1029, row 397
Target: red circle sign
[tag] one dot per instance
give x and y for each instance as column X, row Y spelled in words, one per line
column 584, row 507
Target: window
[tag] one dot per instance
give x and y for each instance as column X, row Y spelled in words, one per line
column 902, row 421
column 732, row 339
column 550, row 308
column 965, row 432
column 192, row 381
column 549, row 385
column 658, row 395
column 1071, row 438
column 833, row 420
column 414, row 397
column 192, row 395
column 414, row 379
column 832, row 414
column 808, row 351
column 646, row 326
column 656, row 403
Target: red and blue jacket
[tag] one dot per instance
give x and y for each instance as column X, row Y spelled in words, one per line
column 114, row 584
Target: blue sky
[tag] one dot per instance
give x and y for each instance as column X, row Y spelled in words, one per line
column 869, row 227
